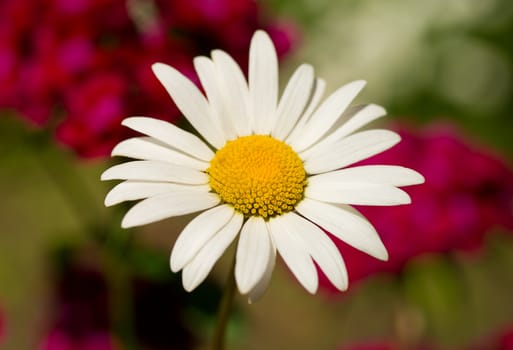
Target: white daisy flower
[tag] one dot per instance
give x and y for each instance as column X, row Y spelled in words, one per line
column 273, row 172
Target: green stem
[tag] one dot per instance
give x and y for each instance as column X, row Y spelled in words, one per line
column 225, row 307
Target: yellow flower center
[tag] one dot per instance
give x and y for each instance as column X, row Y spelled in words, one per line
column 258, row 175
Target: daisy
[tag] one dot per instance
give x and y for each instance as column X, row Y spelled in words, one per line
column 273, row 172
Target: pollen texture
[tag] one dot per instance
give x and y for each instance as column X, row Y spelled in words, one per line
column 258, row 175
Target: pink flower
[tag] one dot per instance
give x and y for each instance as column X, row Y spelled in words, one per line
column 468, row 191
column 51, row 49
column 82, row 315
column 95, row 108
column 227, row 24
column 58, row 339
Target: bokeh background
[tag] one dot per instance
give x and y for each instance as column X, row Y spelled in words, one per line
column 70, row 71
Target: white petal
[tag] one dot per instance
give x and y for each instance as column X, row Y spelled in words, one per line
column 293, row 101
column 207, row 72
column 147, row 148
column 197, row 233
column 353, row 119
column 322, row 249
column 235, row 91
column 350, row 150
column 317, row 94
column 200, row 266
column 345, row 224
column 170, row 135
column 135, row 190
column 191, row 103
column 263, row 82
column 259, row 289
column 377, row 174
column 294, row 252
column 358, row 118
column 253, row 254
column 357, row 193
column 167, row 205
column 151, row 170
column 327, row 114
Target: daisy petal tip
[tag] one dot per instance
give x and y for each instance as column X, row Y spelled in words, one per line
column 174, row 262
column 382, row 255
column 261, row 34
column 395, row 138
column 355, row 86
column 164, row 72
column 402, row 198
column 105, row 176
column 217, row 53
column 159, row 67
column 127, row 222
column 115, row 151
column 189, row 282
column 308, row 68
column 262, row 39
column 418, row 178
column 360, row 83
column 128, row 121
column 108, row 202
column 244, row 285
column 377, row 109
column 312, row 289
column 200, row 61
column 188, row 285
column 244, row 288
column 134, row 121
column 341, row 284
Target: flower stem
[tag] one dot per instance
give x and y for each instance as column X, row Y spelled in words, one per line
column 225, row 307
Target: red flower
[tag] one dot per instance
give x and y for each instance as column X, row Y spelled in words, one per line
column 51, row 51
column 468, row 191
column 60, row 340
column 95, row 109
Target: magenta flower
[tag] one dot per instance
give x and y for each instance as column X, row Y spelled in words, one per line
column 53, row 51
column 468, row 192
column 60, row 340
column 82, row 314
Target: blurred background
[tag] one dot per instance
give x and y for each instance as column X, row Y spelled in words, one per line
column 71, row 279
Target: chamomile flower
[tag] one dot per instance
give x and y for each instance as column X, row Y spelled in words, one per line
column 274, row 172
